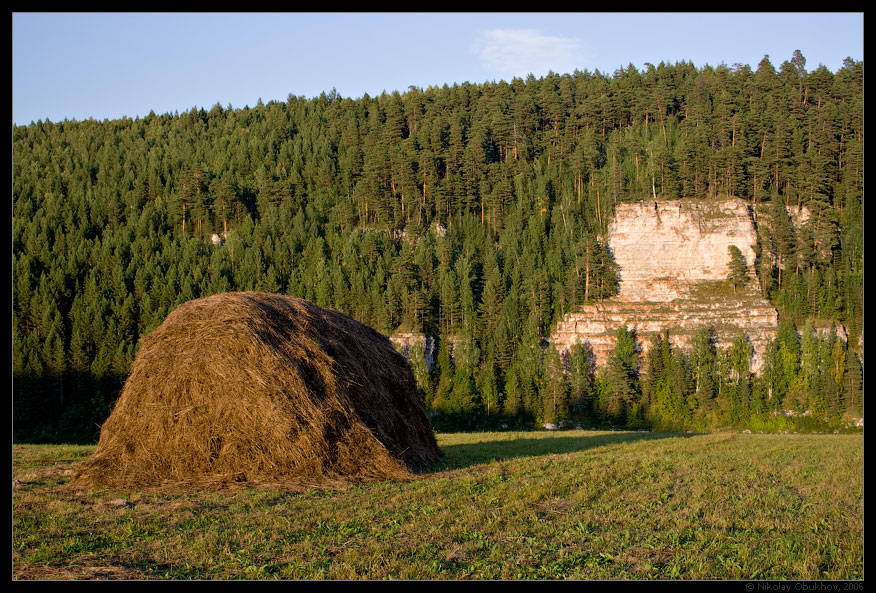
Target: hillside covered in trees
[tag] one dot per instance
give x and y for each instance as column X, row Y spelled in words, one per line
column 474, row 213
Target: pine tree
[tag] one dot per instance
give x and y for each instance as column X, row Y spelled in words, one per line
column 555, row 392
column 734, row 401
column 703, row 359
column 738, row 271
column 444, row 372
column 422, row 374
column 623, row 374
column 853, row 387
column 581, row 365
column 488, row 387
column 831, row 385
column 782, row 236
column 809, row 380
column 512, row 400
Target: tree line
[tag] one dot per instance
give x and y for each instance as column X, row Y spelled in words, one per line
column 474, row 213
column 809, row 380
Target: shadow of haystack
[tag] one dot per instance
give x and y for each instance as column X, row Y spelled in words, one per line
column 256, row 387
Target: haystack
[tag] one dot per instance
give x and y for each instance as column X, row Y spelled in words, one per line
column 257, row 387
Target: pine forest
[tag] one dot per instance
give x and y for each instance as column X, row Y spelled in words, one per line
column 474, row 215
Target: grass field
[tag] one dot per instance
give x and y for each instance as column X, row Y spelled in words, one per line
column 525, row 505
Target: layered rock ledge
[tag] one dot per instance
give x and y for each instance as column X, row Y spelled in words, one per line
column 672, row 259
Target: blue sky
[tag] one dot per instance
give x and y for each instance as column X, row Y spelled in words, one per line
column 110, row 65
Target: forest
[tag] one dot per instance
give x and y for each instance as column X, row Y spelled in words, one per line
column 475, row 214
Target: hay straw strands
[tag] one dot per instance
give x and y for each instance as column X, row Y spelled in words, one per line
column 255, row 387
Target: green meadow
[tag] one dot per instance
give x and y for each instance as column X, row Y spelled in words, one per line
column 571, row 504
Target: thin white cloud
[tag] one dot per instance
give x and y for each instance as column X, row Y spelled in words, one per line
column 518, row 52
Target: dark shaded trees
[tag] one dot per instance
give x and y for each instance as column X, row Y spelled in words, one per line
column 467, row 212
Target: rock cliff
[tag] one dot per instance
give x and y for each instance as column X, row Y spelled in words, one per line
column 407, row 342
column 672, row 259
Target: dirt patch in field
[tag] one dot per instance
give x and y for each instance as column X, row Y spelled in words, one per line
column 77, row 573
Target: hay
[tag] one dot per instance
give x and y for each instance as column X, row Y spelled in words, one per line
column 262, row 388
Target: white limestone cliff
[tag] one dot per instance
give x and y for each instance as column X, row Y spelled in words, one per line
column 672, row 259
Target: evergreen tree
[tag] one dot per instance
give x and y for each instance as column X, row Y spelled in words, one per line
column 422, row 375
column 703, row 360
column 444, row 372
column 581, row 393
column 556, row 390
column 734, row 402
column 622, row 373
column 853, row 387
column 488, row 387
column 738, row 270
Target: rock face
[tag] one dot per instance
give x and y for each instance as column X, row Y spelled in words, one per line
column 662, row 249
column 672, row 259
column 406, row 342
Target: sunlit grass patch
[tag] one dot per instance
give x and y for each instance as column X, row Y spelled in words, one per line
column 505, row 505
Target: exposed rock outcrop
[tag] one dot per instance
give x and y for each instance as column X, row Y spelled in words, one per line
column 672, row 259
column 406, row 343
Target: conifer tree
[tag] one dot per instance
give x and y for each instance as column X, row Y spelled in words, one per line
column 738, row 271
column 782, row 236
column 623, row 373
column 444, row 372
column 581, row 379
column 488, row 387
column 853, row 388
column 812, row 399
column 703, row 359
column 422, row 374
column 555, row 392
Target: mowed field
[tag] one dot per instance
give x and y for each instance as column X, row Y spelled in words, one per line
column 503, row 505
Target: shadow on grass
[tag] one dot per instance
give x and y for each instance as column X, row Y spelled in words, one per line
column 504, row 446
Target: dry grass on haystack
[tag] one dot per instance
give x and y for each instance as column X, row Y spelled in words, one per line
column 262, row 388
